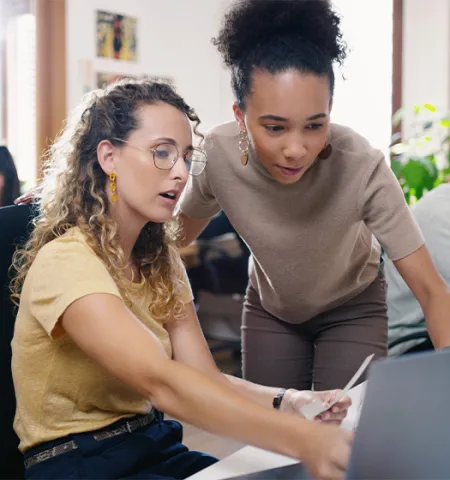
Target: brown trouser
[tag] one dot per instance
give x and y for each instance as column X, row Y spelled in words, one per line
column 325, row 351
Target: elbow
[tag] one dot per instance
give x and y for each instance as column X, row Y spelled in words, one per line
column 158, row 387
column 435, row 297
column 151, row 382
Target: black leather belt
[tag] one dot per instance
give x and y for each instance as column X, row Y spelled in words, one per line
column 127, row 427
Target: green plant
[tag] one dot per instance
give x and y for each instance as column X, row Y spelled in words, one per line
column 421, row 160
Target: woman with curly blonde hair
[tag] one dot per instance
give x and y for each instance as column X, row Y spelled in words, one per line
column 106, row 336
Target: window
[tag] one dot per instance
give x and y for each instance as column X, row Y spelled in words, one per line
column 21, row 94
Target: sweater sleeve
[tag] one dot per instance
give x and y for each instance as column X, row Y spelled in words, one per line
column 386, row 213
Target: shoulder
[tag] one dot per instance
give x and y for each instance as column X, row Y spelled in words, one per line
column 72, row 240
column 67, row 267
column 224, row 137
column 351, row 147
column 225, row 131
column 71, row 248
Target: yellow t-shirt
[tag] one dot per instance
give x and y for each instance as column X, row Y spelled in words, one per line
column 59, row 389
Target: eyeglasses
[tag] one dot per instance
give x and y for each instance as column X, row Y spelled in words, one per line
column 165, row 156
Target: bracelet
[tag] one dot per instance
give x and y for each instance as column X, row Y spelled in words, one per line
column 278, row 398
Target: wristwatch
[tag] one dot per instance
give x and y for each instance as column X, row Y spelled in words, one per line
column 278, row 398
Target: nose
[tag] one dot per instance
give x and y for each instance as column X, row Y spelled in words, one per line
column 180, row 170
column 295, row 149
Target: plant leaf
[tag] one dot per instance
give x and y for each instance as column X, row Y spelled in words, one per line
column 430, row 107
column 397, row 167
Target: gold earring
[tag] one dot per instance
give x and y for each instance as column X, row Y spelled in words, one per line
column 113, row 186
column 326, row 151
column 244, row 145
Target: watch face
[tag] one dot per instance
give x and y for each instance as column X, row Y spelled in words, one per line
column 278, row 398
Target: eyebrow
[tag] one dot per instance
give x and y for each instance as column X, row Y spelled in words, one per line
column 283, row 119
column 172, row 142
column 165, row 140
column 317, row 116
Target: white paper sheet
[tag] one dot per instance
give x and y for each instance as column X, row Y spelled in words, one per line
column 252, row 459
column 313, row 409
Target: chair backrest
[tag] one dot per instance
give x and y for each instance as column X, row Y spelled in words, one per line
column 15, row 228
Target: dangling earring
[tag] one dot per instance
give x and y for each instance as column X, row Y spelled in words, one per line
column 113, row 186
column 326, row 151
column 244, row 145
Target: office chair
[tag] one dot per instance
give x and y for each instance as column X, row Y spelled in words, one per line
column 15, row 228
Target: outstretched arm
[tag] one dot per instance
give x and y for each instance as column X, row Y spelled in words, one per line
column 431, row 291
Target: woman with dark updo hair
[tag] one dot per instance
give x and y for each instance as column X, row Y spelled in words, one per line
column 313, row 200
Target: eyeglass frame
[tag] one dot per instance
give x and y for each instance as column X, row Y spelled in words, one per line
column 152, row 151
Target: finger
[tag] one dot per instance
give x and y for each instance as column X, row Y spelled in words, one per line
column 344, row 403
column 21, row 199
column 334, row 423
column 330, row 472
column 339, row 408
column 328, row 396
column 336, row 473
column 24, row 201
column 337, row 416
column 328, row 417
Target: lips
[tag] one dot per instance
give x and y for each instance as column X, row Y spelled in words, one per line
column 170, row 194
column 170, row 197
column 290, row 171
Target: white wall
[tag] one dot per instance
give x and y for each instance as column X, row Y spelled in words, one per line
column 426, row 53
column 363, row 100
column 173, row 40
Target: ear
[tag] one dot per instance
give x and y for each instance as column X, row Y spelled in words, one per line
column 106, row 156
column 239, row 116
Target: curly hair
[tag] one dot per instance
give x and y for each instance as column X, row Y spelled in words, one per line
column 279, row 35
column 73, row 194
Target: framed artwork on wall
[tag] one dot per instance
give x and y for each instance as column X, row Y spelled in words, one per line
column 116, row 36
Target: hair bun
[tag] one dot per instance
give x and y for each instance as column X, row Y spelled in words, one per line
column 249, row 23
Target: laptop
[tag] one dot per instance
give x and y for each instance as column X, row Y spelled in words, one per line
column 404, row 428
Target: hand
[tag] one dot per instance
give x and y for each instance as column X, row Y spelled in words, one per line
column 327, row 452
column 25, row 199
column 294, row 400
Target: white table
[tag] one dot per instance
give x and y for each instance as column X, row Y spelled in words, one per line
column 251, row 459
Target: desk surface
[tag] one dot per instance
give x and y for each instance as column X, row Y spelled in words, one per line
column 251, row 459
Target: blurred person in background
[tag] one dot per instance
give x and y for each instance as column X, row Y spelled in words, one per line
column 407, row 326
column 9, row 180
